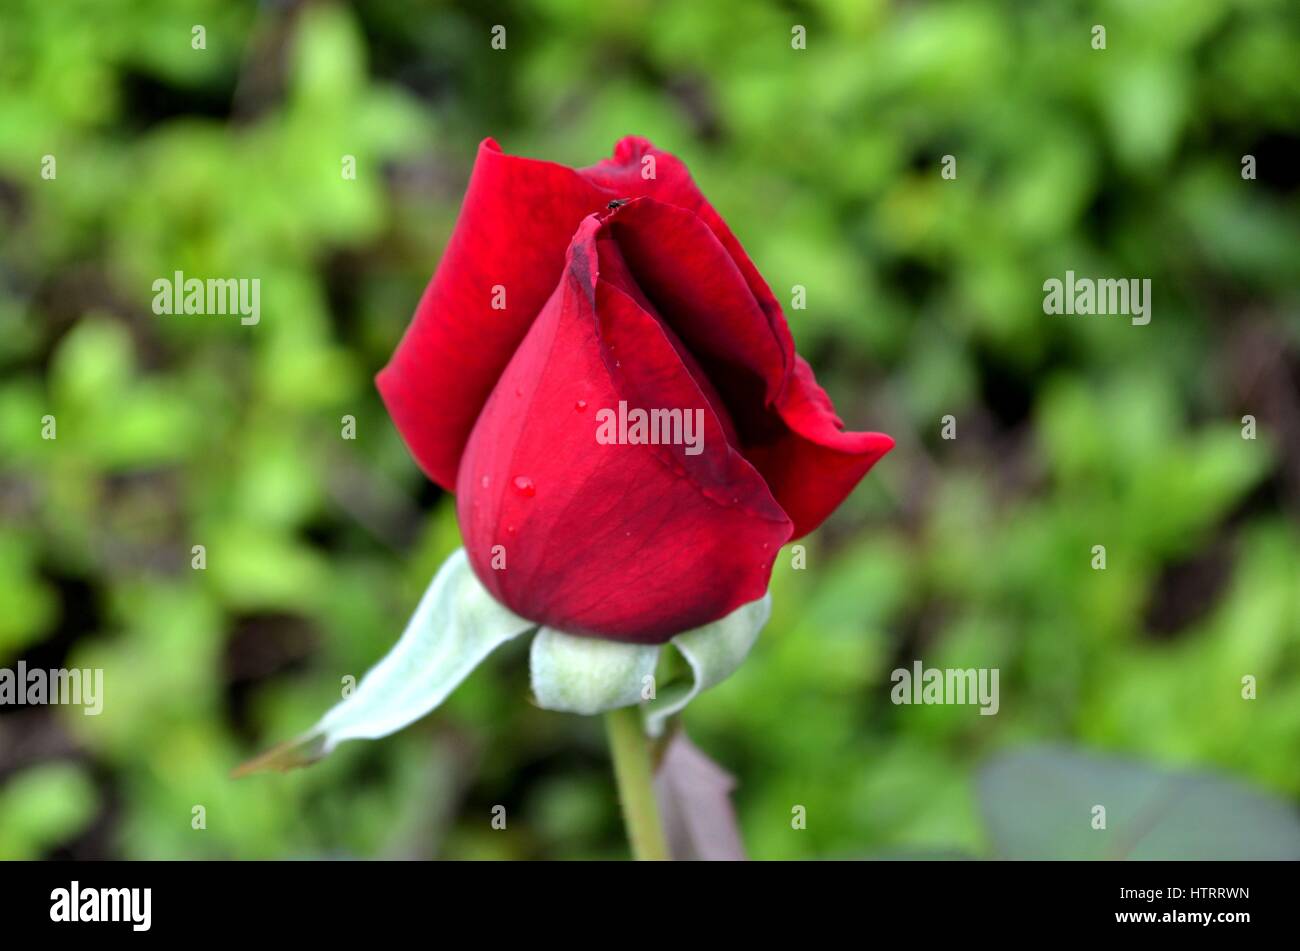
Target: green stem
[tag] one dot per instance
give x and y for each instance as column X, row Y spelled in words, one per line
column 634, row 771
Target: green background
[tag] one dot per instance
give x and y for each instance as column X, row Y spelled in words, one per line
column 923, row 299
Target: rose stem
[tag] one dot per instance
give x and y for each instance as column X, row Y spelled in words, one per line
column 633, row 770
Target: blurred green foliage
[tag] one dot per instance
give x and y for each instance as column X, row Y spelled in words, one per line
column 924, row 299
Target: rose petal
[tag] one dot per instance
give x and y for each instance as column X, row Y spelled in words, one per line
column 614, row 270
column 627, row 542
column 815, row 464
column 787, row 426
column 514, row 226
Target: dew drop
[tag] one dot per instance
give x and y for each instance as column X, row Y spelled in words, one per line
column 485, row 481
column 524, row 486
column 580, row 405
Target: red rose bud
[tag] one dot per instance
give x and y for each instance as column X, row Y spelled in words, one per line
column 604, row 379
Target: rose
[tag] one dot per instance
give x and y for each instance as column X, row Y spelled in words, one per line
column 561, row 294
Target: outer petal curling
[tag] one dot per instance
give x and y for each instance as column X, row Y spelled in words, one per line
column 787, row 426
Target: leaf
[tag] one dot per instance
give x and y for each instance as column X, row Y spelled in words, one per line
column 588, row 675
column 1039, row 804
column 43, row 806
column 694, row 796
column 456, row 625
column 713, row 652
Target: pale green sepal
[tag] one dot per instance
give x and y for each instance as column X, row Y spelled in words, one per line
column 713, row 651
column 588, row 674
column 455, row 626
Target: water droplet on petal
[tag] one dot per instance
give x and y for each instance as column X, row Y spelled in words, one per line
column 524, row 486
column 580, row 405
column 510, row 529
column 485, row 481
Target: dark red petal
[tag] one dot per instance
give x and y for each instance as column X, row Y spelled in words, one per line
column 613, row 270
column 673, row 185
column 815, row 464
column 629, row 542
column 680, row 265
column 786, row 424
